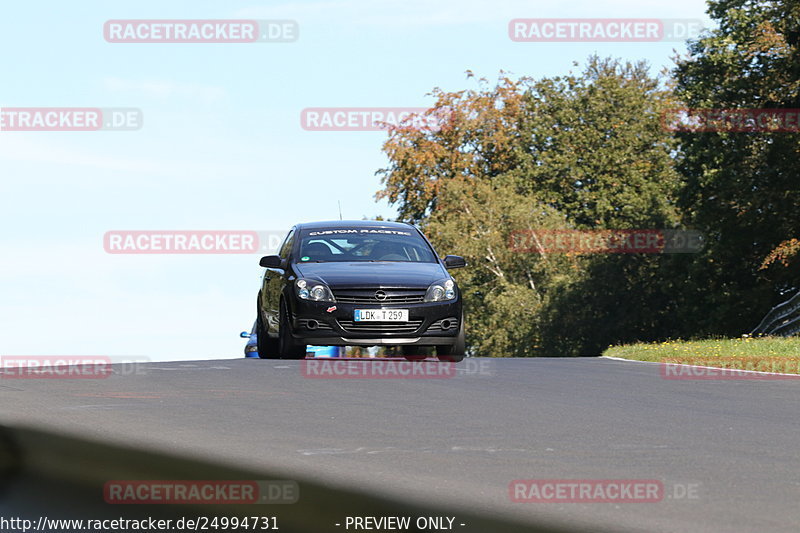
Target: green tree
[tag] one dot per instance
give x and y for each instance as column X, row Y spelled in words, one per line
column 479, row 138
column 597, row 150
column 579, row 151
column 741, row 188
column 504, row 291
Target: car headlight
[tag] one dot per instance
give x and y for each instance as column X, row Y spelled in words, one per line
column 441, row 291
column 313, row 290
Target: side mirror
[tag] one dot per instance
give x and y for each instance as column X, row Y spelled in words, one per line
column 454, row 261
column 270, row 261
column 244, row 335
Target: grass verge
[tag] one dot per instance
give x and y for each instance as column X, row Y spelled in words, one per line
column 766, row 354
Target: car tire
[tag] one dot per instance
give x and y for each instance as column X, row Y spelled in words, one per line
column 454, row 353
column 267, row 347
column 288, row 348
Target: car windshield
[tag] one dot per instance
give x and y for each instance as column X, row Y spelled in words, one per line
column 364, row 244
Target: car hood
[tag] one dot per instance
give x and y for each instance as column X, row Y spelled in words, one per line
column 373, row 274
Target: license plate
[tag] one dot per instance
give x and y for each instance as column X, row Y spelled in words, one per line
column 381, row 315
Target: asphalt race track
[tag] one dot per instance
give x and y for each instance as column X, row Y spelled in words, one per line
column 726, row 450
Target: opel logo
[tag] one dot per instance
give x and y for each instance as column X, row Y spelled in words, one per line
column 380, row 295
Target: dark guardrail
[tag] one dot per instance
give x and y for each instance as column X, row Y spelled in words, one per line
column 783, row 320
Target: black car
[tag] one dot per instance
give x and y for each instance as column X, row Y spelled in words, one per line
column 359, row 283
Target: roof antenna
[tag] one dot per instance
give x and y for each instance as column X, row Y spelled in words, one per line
column 340, row 209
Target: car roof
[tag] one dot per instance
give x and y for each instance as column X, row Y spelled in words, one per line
column 336, row 224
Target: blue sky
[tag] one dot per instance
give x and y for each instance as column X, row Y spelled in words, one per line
column 221, row 148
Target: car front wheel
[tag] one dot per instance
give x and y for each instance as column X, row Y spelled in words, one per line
column 267, row 347
column 288, row 348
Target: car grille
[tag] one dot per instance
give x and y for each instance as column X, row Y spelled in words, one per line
column 380, row 327
column 367, row 296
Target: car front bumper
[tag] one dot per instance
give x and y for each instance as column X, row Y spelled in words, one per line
column 332, row 324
